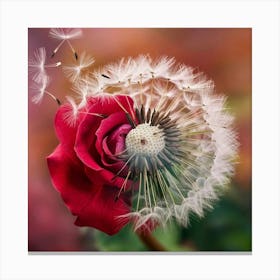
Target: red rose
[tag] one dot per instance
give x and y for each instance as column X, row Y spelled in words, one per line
column 83, row 167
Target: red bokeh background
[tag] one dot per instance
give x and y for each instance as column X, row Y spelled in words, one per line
column 224, row 54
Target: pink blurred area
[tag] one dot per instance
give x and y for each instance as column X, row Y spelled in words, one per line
column 223, row 54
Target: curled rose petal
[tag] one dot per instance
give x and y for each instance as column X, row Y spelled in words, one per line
column 86, row 136
column 111, row 137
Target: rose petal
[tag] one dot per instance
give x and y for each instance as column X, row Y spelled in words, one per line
column 116, row 141
column 103, row 211
column 84, row 142
column 64, row 131
column 108, row 159
column 115, row 123
column 108, row 177
column 85, row 138
column 70, row 180
column 113, row 145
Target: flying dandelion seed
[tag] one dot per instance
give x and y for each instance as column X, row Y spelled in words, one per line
column 39, row 89
column 37, row 65
column 65, row 35
column 75, row 71
column 180, row 149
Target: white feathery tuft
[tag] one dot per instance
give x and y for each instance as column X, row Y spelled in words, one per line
column 75, row 71
column 65, row 33
column 72, row 112
column 81, row 88
column 39, row 88
column 37, row 65
column 37, row 62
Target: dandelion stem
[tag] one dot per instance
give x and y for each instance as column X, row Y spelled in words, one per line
column 141, row 89
column 57, row 48
column 150, row 241
column 72, row 49
column 139, row 193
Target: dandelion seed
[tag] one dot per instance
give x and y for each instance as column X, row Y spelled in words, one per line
column 65, row 35
column 71, row 113
column 37, row 65
column 181, row 148
column 75, row 71
column 105, row 76
column 40, row 89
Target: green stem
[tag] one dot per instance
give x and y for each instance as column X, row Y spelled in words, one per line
column 151, row 242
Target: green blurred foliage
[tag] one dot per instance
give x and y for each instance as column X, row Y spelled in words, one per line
column 226, row 228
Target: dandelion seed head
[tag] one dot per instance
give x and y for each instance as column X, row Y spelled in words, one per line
column 182, row 148
column 145, row 140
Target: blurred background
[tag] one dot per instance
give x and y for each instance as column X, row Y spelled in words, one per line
column 224, row 55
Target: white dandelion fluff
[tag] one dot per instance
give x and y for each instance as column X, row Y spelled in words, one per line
column 39, row 89
column 182, row 148
column 75, row 71
column 65, row 35
column 37, row 65
column 72, row 112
